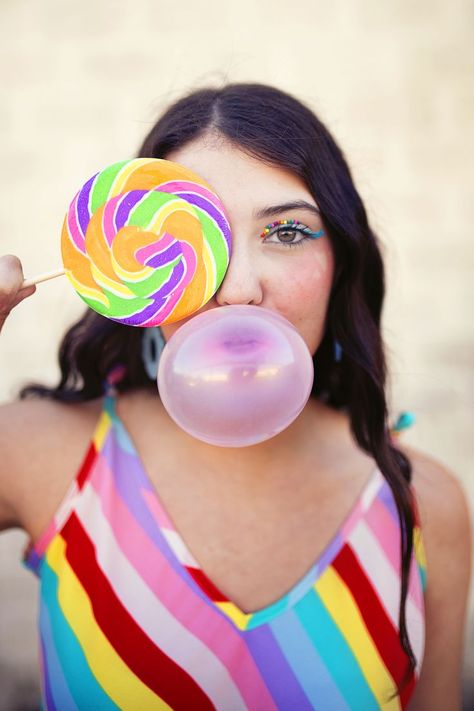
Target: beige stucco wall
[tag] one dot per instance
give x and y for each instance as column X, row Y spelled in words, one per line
column 81, row 83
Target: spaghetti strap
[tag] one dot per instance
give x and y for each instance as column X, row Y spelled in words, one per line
column 109, row 386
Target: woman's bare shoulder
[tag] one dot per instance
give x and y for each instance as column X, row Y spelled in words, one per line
column 444, row 514
column 438, row 489
column 42, row 443
column 26, row 423
column 446, row 529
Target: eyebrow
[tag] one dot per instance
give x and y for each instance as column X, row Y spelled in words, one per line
column 271, row 210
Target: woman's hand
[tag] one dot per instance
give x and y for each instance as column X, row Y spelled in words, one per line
column 11, row 291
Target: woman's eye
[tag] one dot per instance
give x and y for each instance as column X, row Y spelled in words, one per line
column 288, row 236
column 290, row 233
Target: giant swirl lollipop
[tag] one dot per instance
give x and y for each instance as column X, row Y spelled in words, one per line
column 146, row 242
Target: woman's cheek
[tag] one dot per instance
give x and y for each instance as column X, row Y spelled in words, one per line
column 303, row 297
column 309, row 279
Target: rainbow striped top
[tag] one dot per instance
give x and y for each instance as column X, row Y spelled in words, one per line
column 128, row 619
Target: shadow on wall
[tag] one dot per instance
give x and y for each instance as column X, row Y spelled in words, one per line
column 19, row 691
column 468, row 696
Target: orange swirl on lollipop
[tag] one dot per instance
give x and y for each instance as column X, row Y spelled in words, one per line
column 146, row 242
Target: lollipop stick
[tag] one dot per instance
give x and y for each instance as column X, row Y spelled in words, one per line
column 43, row 277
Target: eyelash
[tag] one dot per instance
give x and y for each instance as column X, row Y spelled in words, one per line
column 290, row 226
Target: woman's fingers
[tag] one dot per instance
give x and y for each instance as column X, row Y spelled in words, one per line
column 11, row 290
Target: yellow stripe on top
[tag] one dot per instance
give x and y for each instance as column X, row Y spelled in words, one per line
column 419, row 547
column 114, row 676
column 101, row 430
column 342, row 607
column 240, row 619
column 420, row 555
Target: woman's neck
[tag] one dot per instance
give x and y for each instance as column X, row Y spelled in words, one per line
column 317, row 436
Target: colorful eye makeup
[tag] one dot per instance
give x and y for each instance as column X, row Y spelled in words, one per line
column 293, row 226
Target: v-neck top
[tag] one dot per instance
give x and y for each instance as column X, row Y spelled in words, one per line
column 129, row 620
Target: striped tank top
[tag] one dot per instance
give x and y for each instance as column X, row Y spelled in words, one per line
column 129, row 620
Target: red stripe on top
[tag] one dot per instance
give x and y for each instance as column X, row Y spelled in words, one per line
column 155, row 669
column 379, row 625
column 207, row 585
column 86, row 465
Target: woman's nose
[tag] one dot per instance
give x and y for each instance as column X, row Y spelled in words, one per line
column 242, row 282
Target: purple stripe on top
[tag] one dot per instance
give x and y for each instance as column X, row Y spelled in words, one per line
column 55, row 682
column 48, row 697
column 385, row 495
column 275, row 670
column 33, row 560
column 47, row 692
column 303, row 656
column 329, row 553
column 128, row 478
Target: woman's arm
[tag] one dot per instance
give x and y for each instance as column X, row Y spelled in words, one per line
column 42, row 442
column 11, row 294
column 446, row 530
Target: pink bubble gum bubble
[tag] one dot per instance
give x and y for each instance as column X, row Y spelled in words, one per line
column 235, row 375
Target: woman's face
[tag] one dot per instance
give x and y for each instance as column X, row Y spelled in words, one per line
column 294, row 280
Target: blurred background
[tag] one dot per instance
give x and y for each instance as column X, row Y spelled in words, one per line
column 81, row 84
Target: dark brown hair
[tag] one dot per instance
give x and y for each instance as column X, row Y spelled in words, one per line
column 277, row 128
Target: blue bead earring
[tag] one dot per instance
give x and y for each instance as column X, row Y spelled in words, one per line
column 337, row 351
column 152, row 347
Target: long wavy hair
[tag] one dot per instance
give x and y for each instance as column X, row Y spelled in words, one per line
column 273, row 126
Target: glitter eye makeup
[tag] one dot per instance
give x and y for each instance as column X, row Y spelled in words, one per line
column 290, row 226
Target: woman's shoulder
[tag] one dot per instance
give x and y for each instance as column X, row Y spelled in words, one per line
column 440, row 495
column 444, row 513
column 446, row 534
column 45, row 422
column 42, row 443
column 40, row 422
column 447, row 538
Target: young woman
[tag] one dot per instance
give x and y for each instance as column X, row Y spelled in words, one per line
column 290, row 574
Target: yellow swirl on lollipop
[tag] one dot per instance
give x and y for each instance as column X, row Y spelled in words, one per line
column 146, row 242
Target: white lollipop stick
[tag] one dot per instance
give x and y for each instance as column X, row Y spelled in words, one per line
column 43, row 277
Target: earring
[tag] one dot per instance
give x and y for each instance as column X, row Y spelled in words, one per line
column 152, row 347
column 337, row 351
